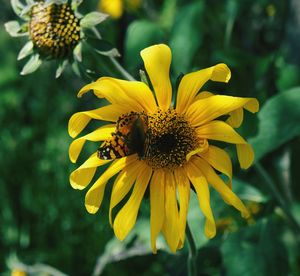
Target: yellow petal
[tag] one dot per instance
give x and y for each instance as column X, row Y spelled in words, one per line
column 110, row 89
column 203, row 147
column 126, row 218
column 192, row 83
column 201, row 187
column 94, row 196
column 203, row 95
column 79, row 120
column 157, row 204
column 245, row 155
column 218, row 184
column 171, row 222
column 210, row 108
column 138, row 91
column 123, row 184
column 157, row 61
column 183, row 186
column 100, row 134
column 112, row 7
column 220, row 160
column 220, row 131
column 83, row 175
column 252, row 106
column 235, row 118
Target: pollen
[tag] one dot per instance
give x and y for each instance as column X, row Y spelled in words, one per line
column 54, row 29
column 169, row 139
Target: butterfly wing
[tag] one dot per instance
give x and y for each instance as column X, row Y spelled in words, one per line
column 113, row 148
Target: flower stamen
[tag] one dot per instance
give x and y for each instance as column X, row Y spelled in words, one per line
column 169, row 139
column 54, row 29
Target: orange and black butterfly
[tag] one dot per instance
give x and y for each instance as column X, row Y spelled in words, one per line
column 129, row 138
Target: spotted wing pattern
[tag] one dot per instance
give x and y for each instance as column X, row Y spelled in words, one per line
column 128, row 138
column 113, row 148
column 127, row 121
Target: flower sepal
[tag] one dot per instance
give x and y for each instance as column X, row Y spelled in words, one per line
column 32, row 65
column 103, row 47
column 61, row 67
column 77, row 53
column 92, row 19
column 17, row 6
column 26, row 50
column 56, row 2
column 75, row 4
column 15, row 29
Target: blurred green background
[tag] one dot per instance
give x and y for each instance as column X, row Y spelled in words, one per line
column 43, row 221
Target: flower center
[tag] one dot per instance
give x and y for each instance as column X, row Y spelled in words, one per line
column 169, row 139
column 54, row 29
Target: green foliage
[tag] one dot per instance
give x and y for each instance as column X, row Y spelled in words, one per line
column 140, row 34
column 259, row 249
column 186, row 36
column 278, row 122
column 44, row 221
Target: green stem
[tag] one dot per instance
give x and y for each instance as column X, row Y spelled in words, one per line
column 192, row 259
column 228, row 32
column 121, row 69
column 279, row 198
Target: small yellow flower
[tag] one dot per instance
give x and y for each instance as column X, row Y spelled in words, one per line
column 271, row 10
column 18, row 272
column 152, row 142
column 115, row 8
column 226, row 225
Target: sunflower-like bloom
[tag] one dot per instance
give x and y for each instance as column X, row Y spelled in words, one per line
column 115, row 8
column 153, row 143
column 55, row 31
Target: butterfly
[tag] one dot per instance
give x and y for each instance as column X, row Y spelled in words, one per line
column 129, row 137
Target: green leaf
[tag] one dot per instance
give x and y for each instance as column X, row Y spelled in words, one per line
column 32, row 65
column 26, row 50
column 140, row 34
column 278, row 122
column 288, row 76
column 136, row 244
column 246, row 191
column 196, row 221
column 92, row 19
column 168, row 13
column 14, row 29
column 255, row 250
column 186, row 37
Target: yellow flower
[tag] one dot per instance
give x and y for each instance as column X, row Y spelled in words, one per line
column 168, row 146
column 18, row 272
column 115, row 8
